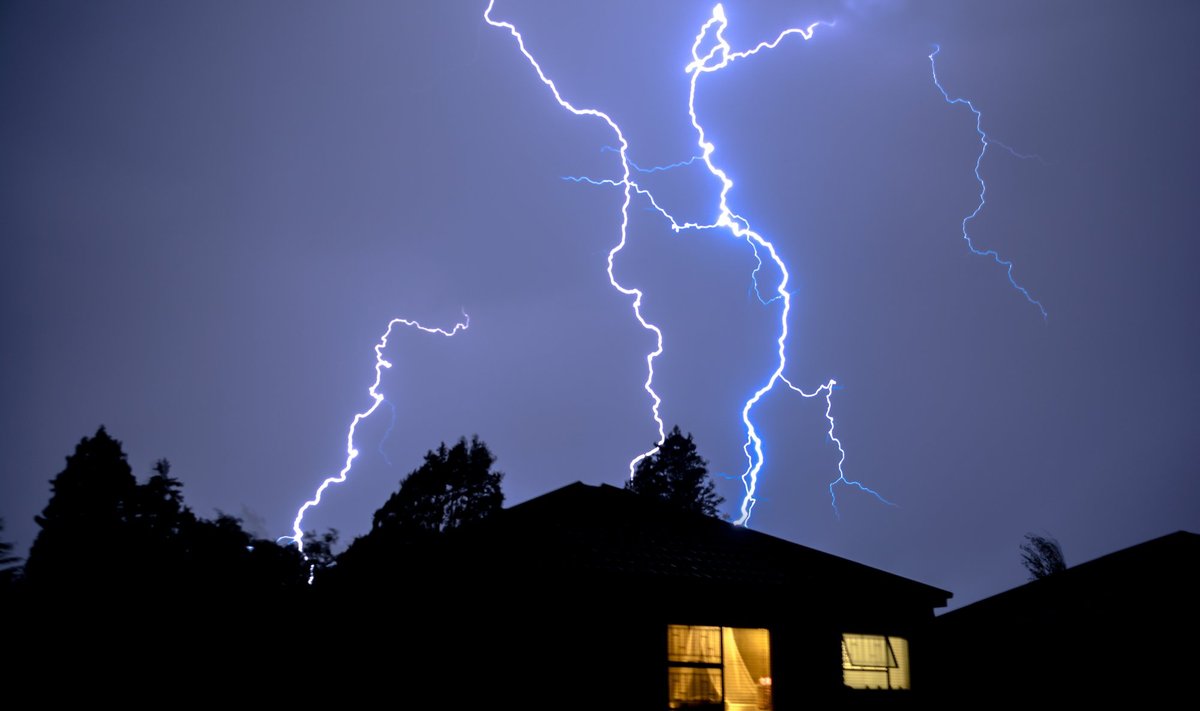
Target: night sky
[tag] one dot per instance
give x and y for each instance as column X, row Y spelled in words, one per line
column 210, row 212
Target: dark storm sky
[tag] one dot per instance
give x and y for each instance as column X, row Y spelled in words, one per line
column 210, row 211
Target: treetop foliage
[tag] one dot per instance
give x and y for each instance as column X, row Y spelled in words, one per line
column 452, row 487
column 677, row 475
column 1042, row 556
column 102, row 530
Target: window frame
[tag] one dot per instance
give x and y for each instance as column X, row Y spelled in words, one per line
column 896, row 671
column 720, row 665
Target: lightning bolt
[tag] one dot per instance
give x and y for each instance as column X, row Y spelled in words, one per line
column 984, row 142
column 626, row 186
column 381, row 363
column 718, row 57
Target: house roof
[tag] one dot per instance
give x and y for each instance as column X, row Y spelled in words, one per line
column 1155, row 571
column 605, row 531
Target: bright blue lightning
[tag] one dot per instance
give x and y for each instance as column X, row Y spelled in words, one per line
column 717, row 58
column 984, row 142
column 381, row 363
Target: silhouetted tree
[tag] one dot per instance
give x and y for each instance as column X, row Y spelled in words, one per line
column 1042, row 556
column 221, row 555
column 102, row 531
column 452, row 487
column 85, row 534
column 678, row 475
column 160, row 508
column 162, row 528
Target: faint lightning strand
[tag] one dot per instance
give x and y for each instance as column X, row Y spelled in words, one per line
column 754, row 276
column 1017, row 154
column 983, row 142
column 828, row 389
column 612, row 254
column 655, row 168
column 381, row 363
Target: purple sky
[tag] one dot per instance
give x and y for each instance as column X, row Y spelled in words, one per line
column 210, row 211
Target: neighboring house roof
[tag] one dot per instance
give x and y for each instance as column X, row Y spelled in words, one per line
column 1159, row 569
column 1121, row 626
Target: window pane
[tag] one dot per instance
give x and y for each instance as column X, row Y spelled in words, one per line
column 874, row 662
column 747, row 666
column 866, row 650
column 719, row 668
column 693, row 687
column 689, row 643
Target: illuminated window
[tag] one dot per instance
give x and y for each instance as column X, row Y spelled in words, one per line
column 871, row 661
column 718, row 668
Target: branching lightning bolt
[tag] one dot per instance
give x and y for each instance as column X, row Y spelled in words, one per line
column 626, row 186
column 717, row 58
column 984, row 142
column 381, row 363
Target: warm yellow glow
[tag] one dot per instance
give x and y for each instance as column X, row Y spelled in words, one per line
column 691, row 643
column 874, row 662
column 725, row 667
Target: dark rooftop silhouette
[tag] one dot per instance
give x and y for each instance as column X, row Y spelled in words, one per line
column 1123, row 624
column 606, row 530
